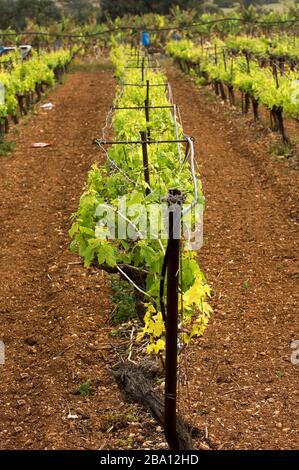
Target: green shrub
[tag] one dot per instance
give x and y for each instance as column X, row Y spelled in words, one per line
column 123, row 299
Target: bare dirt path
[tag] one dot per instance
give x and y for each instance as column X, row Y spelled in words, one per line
column 52, row 314
column 245, row 391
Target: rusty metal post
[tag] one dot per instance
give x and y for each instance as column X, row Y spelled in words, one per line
column 147, row 118
column 174, row 201
column 146, row 105
column 147, row 90
column 145, row 161
column 142, row 69
column 224, row 59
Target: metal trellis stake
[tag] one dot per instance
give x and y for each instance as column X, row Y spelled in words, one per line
column 146, row 105
column 145, row 161
column 142, row 69
column 170, row 418
column 147, row 90
column 248, row 61
column 224, row 59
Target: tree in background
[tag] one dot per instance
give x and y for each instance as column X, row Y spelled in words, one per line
column 134, row 7
column 15, row 13
column 81, row 10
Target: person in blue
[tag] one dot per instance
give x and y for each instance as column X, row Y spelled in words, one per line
column 145, row 39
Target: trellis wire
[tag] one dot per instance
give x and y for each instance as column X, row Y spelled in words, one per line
column 176, row 116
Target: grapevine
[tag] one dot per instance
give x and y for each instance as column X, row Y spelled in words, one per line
column 106, row 184
column 24, row 77
column 264, row 84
